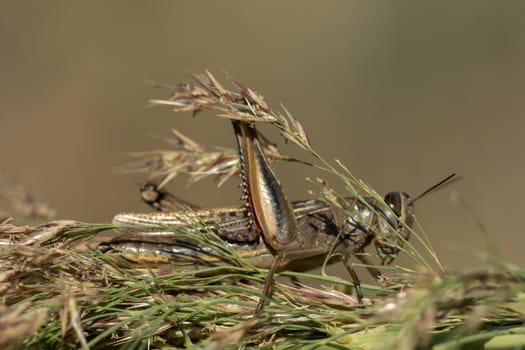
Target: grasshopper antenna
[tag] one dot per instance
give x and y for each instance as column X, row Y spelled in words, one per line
column 446, row 181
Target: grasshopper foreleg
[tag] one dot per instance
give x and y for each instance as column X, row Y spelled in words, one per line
column 353, row 275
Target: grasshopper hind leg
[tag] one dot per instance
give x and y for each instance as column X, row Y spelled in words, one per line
column 267, row 285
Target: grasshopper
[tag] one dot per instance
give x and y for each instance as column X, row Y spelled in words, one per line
column 270, row 231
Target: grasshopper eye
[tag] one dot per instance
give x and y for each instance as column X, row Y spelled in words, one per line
column 395, row 201
column 400, row 203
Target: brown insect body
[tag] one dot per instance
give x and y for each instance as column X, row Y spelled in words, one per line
column 321, row 229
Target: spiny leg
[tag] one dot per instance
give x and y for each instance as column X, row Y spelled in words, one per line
column 286, row 256
column 267, row 285
column 271, row 212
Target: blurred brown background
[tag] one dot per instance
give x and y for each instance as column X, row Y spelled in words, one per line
column 403, row 92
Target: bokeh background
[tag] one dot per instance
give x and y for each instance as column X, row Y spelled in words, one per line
column 402, row 92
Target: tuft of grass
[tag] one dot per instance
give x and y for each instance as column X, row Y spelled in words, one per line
column 58, row 291
column 57, row 297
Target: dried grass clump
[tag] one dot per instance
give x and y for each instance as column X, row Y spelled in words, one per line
column 57, row 297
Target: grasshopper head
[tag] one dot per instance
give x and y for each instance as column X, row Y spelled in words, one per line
column 394, row 224
column 401, row 205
